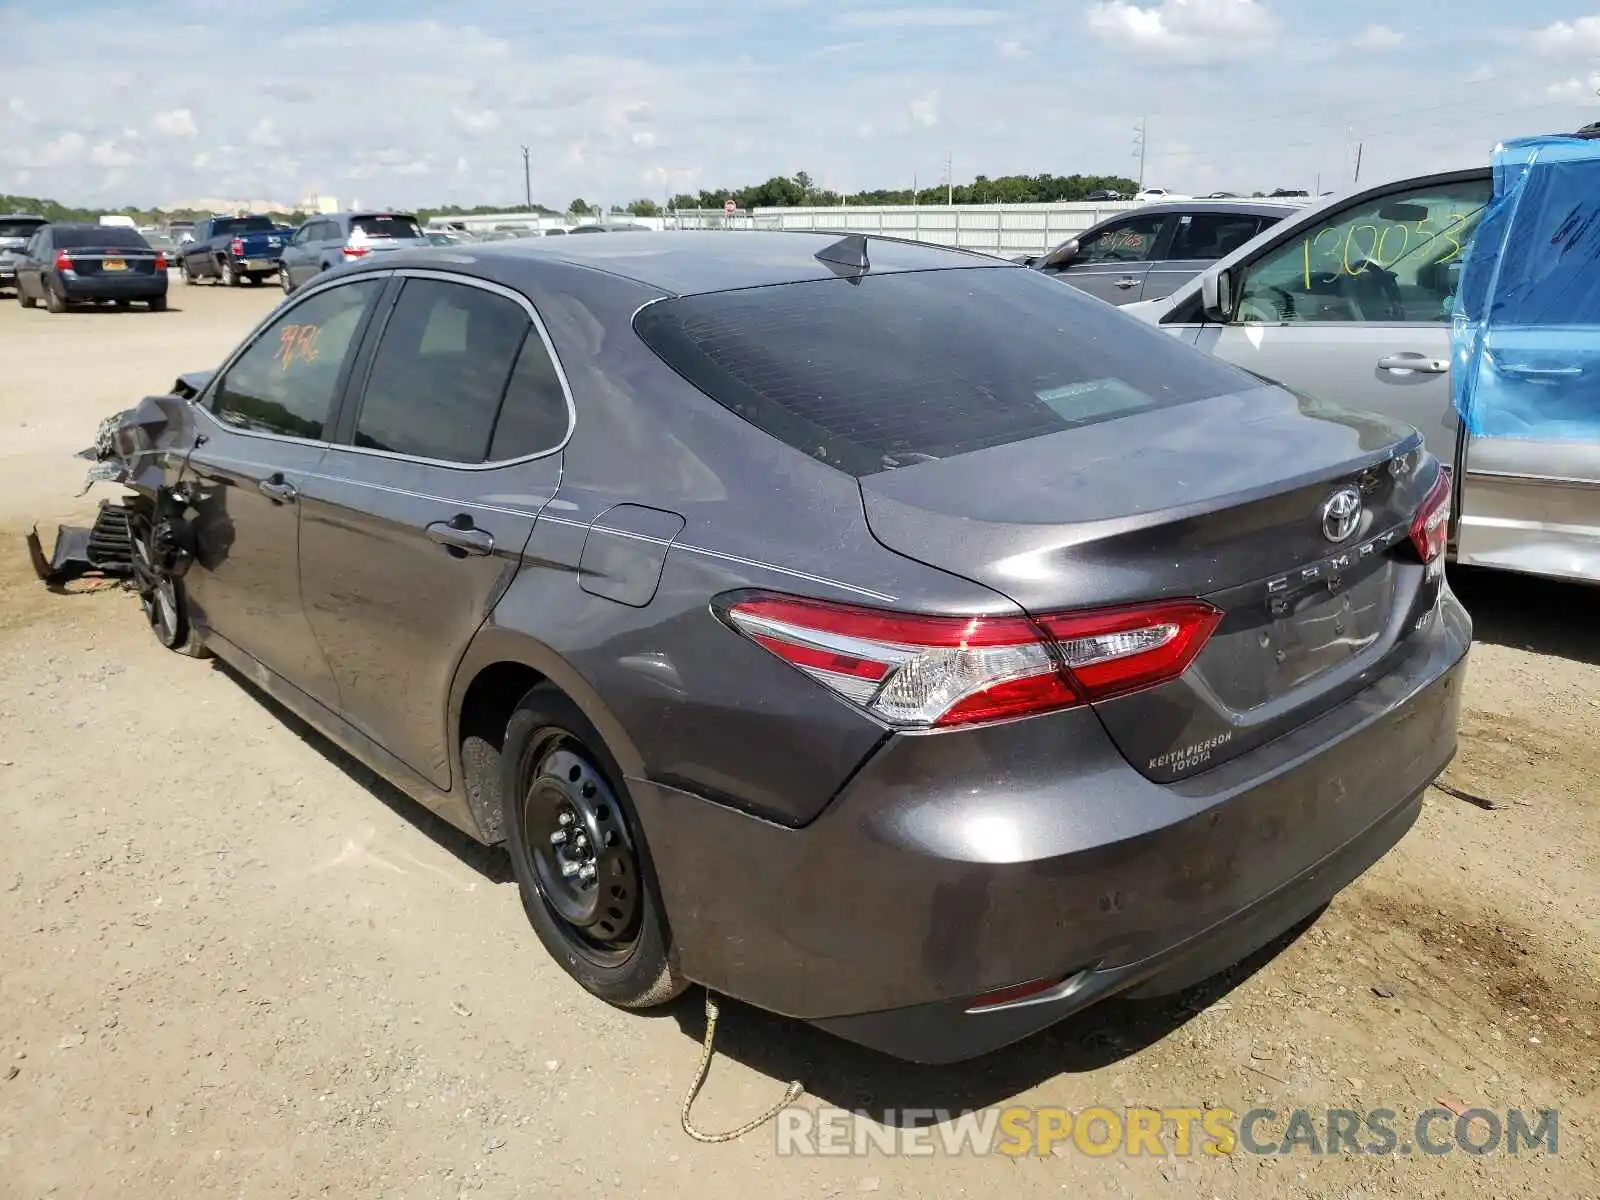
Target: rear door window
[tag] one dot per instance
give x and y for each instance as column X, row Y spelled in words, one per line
column 898, row 368
column 286, row 383
column 1209, row 236
column 440, row 372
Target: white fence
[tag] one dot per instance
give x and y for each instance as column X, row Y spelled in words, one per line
column 1002, row 229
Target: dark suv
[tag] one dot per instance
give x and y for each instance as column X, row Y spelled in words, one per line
column 1150, row 252
column 881, row 634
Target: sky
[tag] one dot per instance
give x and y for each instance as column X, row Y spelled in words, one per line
column 407, row 104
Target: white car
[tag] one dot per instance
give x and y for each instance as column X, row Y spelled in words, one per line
column 1159, row 194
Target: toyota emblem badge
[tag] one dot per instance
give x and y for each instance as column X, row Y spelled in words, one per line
column 1341, row 514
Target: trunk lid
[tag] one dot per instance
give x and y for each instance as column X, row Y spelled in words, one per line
column 1224, row 499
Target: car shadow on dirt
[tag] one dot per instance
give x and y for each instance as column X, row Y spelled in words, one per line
column 1543, row 616
column 488, row 861
column 845, row 1075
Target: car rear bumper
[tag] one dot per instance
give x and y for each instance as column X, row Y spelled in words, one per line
column 113, row 286
column 957, row 864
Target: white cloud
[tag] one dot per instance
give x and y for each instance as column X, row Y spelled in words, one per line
column 1013, row 49
column 925, row 110
column 1377, row 37
column 1563, row 39
column 109, row 154
column 923, row 18
column 475, row 121
column 1196, row 30
column 1575, row 90
column 264, row 135
column 645, row 139
column 178, row 123
column 200, row 161
column 68, row 148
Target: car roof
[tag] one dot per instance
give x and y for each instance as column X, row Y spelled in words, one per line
column 19, row 216
column 687, row 262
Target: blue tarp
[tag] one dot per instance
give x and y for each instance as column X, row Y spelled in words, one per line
column 1526, row 324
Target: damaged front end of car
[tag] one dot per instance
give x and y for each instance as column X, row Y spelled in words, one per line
column 142, row 537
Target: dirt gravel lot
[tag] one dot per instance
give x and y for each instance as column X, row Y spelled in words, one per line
column 233, row 964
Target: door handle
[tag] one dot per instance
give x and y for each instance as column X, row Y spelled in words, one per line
column 278, row 490
column 461, row 537
column 1125, row 282
column 1419, row 363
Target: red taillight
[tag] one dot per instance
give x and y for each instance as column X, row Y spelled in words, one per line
column 161, row 261
column 236, row 247
column 921, row 671
column 356, row 251
column 63, row 261
column 1430, row 528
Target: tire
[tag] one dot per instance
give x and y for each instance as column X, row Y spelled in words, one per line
column 554, row 763
column 284, row 281
column 188, row 275
column 157, row 303
column 54, row 301
column 123, row 304
column 226, row 275
column 165, row 604
column 25, row 300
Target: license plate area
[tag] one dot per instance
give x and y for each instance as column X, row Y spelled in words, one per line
column 1266, row 651
column 113, row 264
column 256, row 264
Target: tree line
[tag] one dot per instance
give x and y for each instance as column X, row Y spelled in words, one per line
column 781, row 191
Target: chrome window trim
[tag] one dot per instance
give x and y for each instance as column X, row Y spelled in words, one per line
column 202, row 401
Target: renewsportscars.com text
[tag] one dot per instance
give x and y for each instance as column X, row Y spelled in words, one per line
column 1100, row 1132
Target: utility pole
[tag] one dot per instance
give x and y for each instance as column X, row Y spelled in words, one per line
column 1358, row 161
column 527, row 181
column 949, row 181
column 1138, row 146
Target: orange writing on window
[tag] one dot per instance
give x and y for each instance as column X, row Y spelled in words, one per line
column 297, row 343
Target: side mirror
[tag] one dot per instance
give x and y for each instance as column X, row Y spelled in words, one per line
column 1218, row 301
column 1062, row 254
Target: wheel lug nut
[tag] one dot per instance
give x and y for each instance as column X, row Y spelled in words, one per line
column 580, row 841
column 569, row 869
column 586, row 872
column 565, row 817
column 558, row 838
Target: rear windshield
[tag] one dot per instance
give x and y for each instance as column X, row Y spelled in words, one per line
column 243, row 225
column 901, row 368
column 385, row 227
column 99, row 235
column 19, row 229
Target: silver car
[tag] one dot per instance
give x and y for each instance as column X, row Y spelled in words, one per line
column 1149, row 252
column 1351, row 302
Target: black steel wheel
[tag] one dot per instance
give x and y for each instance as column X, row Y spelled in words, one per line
column 581, row 850
column 579, row 856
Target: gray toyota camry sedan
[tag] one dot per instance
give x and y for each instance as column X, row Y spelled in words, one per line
column 883, row 635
